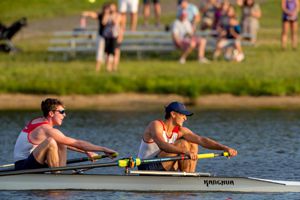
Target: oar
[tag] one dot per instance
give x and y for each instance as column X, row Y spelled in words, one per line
column 183, row 157
column 127, row 162
column 7, row 165
column 84, row 159
column 70, row 161
column 54, row 169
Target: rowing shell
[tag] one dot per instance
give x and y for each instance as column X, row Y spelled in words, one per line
column 155, row 182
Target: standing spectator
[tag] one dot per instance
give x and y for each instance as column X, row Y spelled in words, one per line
column 157, row 11
column 290, row 9
column 100, row 44
column 229, row 38
column 130, row 6
column 185, row 39
column 192, row 12
column 112, row 34
column 251, row 13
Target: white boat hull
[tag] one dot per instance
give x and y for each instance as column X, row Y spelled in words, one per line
column 144, row 183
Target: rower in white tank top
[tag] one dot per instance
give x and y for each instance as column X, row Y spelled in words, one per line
column 24, row 146
column 150, row 150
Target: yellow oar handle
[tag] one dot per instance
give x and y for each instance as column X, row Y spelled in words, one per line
column 212, row 155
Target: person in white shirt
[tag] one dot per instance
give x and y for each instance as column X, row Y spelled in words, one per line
column 183, row 35
column 130, row 6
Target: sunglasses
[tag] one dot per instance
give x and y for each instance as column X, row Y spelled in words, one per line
column 60, row 111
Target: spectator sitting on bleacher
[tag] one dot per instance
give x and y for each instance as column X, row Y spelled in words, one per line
column 7, row 33
column 221, row 17
column 192, row 11
column 100, row 44
column 251, row 13
column 184, row 38
column 229, row 39
column 208, row 8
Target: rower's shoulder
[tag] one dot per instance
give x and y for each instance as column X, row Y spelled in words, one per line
column 153, row 126
column 156, row 123
column 39, row 120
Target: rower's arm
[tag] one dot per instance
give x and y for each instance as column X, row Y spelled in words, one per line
column 89, row 154
column 82, row 145
column 76, row 149
column 206, row 142
column 156, row 134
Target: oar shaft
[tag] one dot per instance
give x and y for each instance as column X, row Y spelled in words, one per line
column 71, row 161
column 138, row 161
column 7, row 165
column 83, row 159
column 54, row 169
column 128, row 162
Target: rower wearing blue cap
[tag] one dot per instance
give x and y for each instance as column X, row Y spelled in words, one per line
column 168, row 137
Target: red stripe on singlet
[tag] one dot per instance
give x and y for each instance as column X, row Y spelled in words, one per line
column 30, row 127
column 175, row 129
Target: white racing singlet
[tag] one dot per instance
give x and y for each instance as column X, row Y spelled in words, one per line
column 149, row 150
column 24, row 146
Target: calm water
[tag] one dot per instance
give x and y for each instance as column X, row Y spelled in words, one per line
column 268, row 143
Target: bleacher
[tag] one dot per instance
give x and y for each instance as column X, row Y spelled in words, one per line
column 71, row 43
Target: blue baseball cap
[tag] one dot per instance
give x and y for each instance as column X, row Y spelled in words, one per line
column 178, row 107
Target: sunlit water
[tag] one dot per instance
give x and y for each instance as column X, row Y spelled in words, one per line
column 268, row 143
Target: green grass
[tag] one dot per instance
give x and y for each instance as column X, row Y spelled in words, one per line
column 267, row 69
column 37, row 9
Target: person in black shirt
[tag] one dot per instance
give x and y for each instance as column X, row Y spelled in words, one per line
column 100, row 45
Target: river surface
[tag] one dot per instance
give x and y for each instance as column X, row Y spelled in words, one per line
column 268, row 143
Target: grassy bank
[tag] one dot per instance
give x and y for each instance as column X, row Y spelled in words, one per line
column 36, row 9
column 266, row 71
